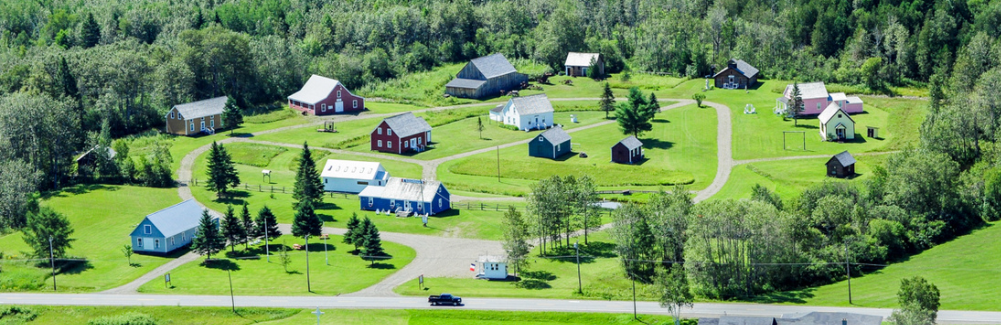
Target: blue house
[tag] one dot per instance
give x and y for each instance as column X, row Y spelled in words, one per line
column 166, row 230
column 550, row 144
column 406, row 196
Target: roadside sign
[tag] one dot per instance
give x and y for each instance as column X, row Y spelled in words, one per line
column 166, row 279
column 420, row 280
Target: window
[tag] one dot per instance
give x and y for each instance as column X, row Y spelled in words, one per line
column 439, row 202
column 192, row 126
column 370, row 201
column 540, row 138
column 405, row 144
column 184, row 237
column 156, row 243
column 818, row 106
column 379, row 143
column 171, row 114
column 147, row 229
column 378, row 131
column 839, row 115
column 389, row 131
column 392, row 203
column 338, row 93
column 203, row 118
column 139, row 242
column 418, row 140
column 212, row 123
column 389, row 144
column 323, row 107
column 557, row 147
column 324, row 181
column 355, row 103
column 171, row 241
column 420, row 207
column 362, row 183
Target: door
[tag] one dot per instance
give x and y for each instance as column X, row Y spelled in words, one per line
column 413, row 143
column 203, row 125
column 148, row 243
column 339, row 107
column 840, row 132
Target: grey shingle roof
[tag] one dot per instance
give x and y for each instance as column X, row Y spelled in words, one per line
column 493, row 65
column 202, row 108
column 845, row 158
column 497, row 109
column 556, row 135
column 631, row 142
column 404, row 189
column 534, row 104
column 407, row 124
column 465, row 83
column 808, row 90
column 743, row 67
column 177, row 218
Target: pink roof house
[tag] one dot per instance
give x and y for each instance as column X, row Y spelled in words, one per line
column 816, row 99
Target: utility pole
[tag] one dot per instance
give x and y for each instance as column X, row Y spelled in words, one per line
column 498, row 163
column 326, row 258
column 580, row 287
column 232, row 300
column 267, row 250
column 849, row 271
column 308, row 287
column 52, row 260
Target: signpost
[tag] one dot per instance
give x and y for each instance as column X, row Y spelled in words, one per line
column 166, row 280
column 317, row 313
column 420, row 281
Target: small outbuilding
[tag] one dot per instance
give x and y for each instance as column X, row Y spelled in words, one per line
column 167, row 230
column 552, row 144
column 492, row 268
column 578, row 63
column 872, row 132
column 737, row 75
column 349, row 176
column 836, row 124
column 323, row 96
column 841, row 165
column 406, row 196
column 526, row 112
column 628, row 151
column 401, row 134
column 201, row 117
column 89, row 158
column 486, row 76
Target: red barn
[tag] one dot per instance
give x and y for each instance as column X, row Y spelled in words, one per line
column 401, row 134
column 322, row 96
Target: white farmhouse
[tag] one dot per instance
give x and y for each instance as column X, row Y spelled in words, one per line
column 492, row 268
column 835, row 124
column 526, row 112
column 350, row 176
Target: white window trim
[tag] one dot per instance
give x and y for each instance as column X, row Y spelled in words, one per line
column 389, row 131
column 147, row 229
column 379, row 143
column 156, row 243
column 389, row 144
column 192, row 125
column 323, row 107
column 171, row 114
column 354, row 103
column 338, row 93
column 378, row 130
column 139, row 242
column 212, row 123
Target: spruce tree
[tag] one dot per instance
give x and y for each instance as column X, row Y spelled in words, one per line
column 44, row 224
column 267, row 224
column 632, row 120
column 353, row 222
column 373, row 243
column 231, row 115
column 248, row 225
column 90, row 32
column 232, row 228
column 207, row 240
column 797, row 103
column 306, row 222
column 358, row 234
column 308, row 186
column 221, row 172
column 607, row 102
column 67, row 81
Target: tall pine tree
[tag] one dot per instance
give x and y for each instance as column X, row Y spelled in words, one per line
column 90, row 32
column 607, row 102
column 267, row 224
column 232, row 117
column 358, row 234
column 352, row 225
column 232, row 228
column 207, row 240
column 797, row 104
column 248, row 225
column 306, row 222
column 373, row 243
column 221, row 172
column 308, row 186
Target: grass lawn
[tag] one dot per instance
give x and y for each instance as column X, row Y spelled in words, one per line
column 102, row 217
column 471, row 223
column 760, row 135
column 602, row 277
column 256, row 276
column 280, row 316
column 788, row 178
column 681, row 149
column 965, row 270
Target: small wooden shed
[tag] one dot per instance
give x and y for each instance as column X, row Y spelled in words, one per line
column 841, row 165
column 550, row 144
column 873, row 132
column 628, row 151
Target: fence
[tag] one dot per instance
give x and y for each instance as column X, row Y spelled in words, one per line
column 270, row 188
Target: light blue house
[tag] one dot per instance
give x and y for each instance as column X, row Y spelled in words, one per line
column 166, row 230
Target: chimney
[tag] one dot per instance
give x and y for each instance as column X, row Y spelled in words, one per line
column 732, row 64
column 844, row 321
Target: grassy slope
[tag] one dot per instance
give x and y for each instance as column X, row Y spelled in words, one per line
column 277, row 316
column 965, row 270
column 788, row 177
column 681, row 148
column 345, row 273
column 102, row 217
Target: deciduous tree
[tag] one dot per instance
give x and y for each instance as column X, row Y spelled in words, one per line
column 674, row 292
column 516, row 239
column 42, row 226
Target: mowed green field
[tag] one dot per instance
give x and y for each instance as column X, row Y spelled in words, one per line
column 681, row 149
column 337, row 208
column 102, row 218
column 47, row 315
column 789, row 178
column 966, row 270
column 602, row 277
column 345, row 272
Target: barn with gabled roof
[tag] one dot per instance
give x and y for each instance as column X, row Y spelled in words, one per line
column 486, row 76
column 323, row 96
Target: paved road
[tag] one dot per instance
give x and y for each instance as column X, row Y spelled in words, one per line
column 700, row 309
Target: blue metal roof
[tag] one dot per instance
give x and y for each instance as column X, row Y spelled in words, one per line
column 176, row 218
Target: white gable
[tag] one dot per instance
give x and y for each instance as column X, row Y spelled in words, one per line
column 351, row 169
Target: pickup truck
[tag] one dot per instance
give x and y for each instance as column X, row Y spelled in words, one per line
column 444, row 299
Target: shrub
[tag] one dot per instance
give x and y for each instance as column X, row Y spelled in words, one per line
column 132, row 318
column 16, row 314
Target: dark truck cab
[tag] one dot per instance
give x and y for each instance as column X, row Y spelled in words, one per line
column 444, row 299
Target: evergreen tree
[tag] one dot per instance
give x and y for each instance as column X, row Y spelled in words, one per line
column 207, row 240
column 632, row 120
column 248, row 225
column 373, row 244
column 797, row 103
column 67, row 81
column 44, row 224
column 352, row 225
column 653, row 101
column 607, row 102
column 308, row 186
column 358, row 234
column 516, row 239
column 90, row 32
column 232, row 117
column 221, row 172
column 232, row 228
column 266, row 224
column 594, row 71
column 306, row 222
